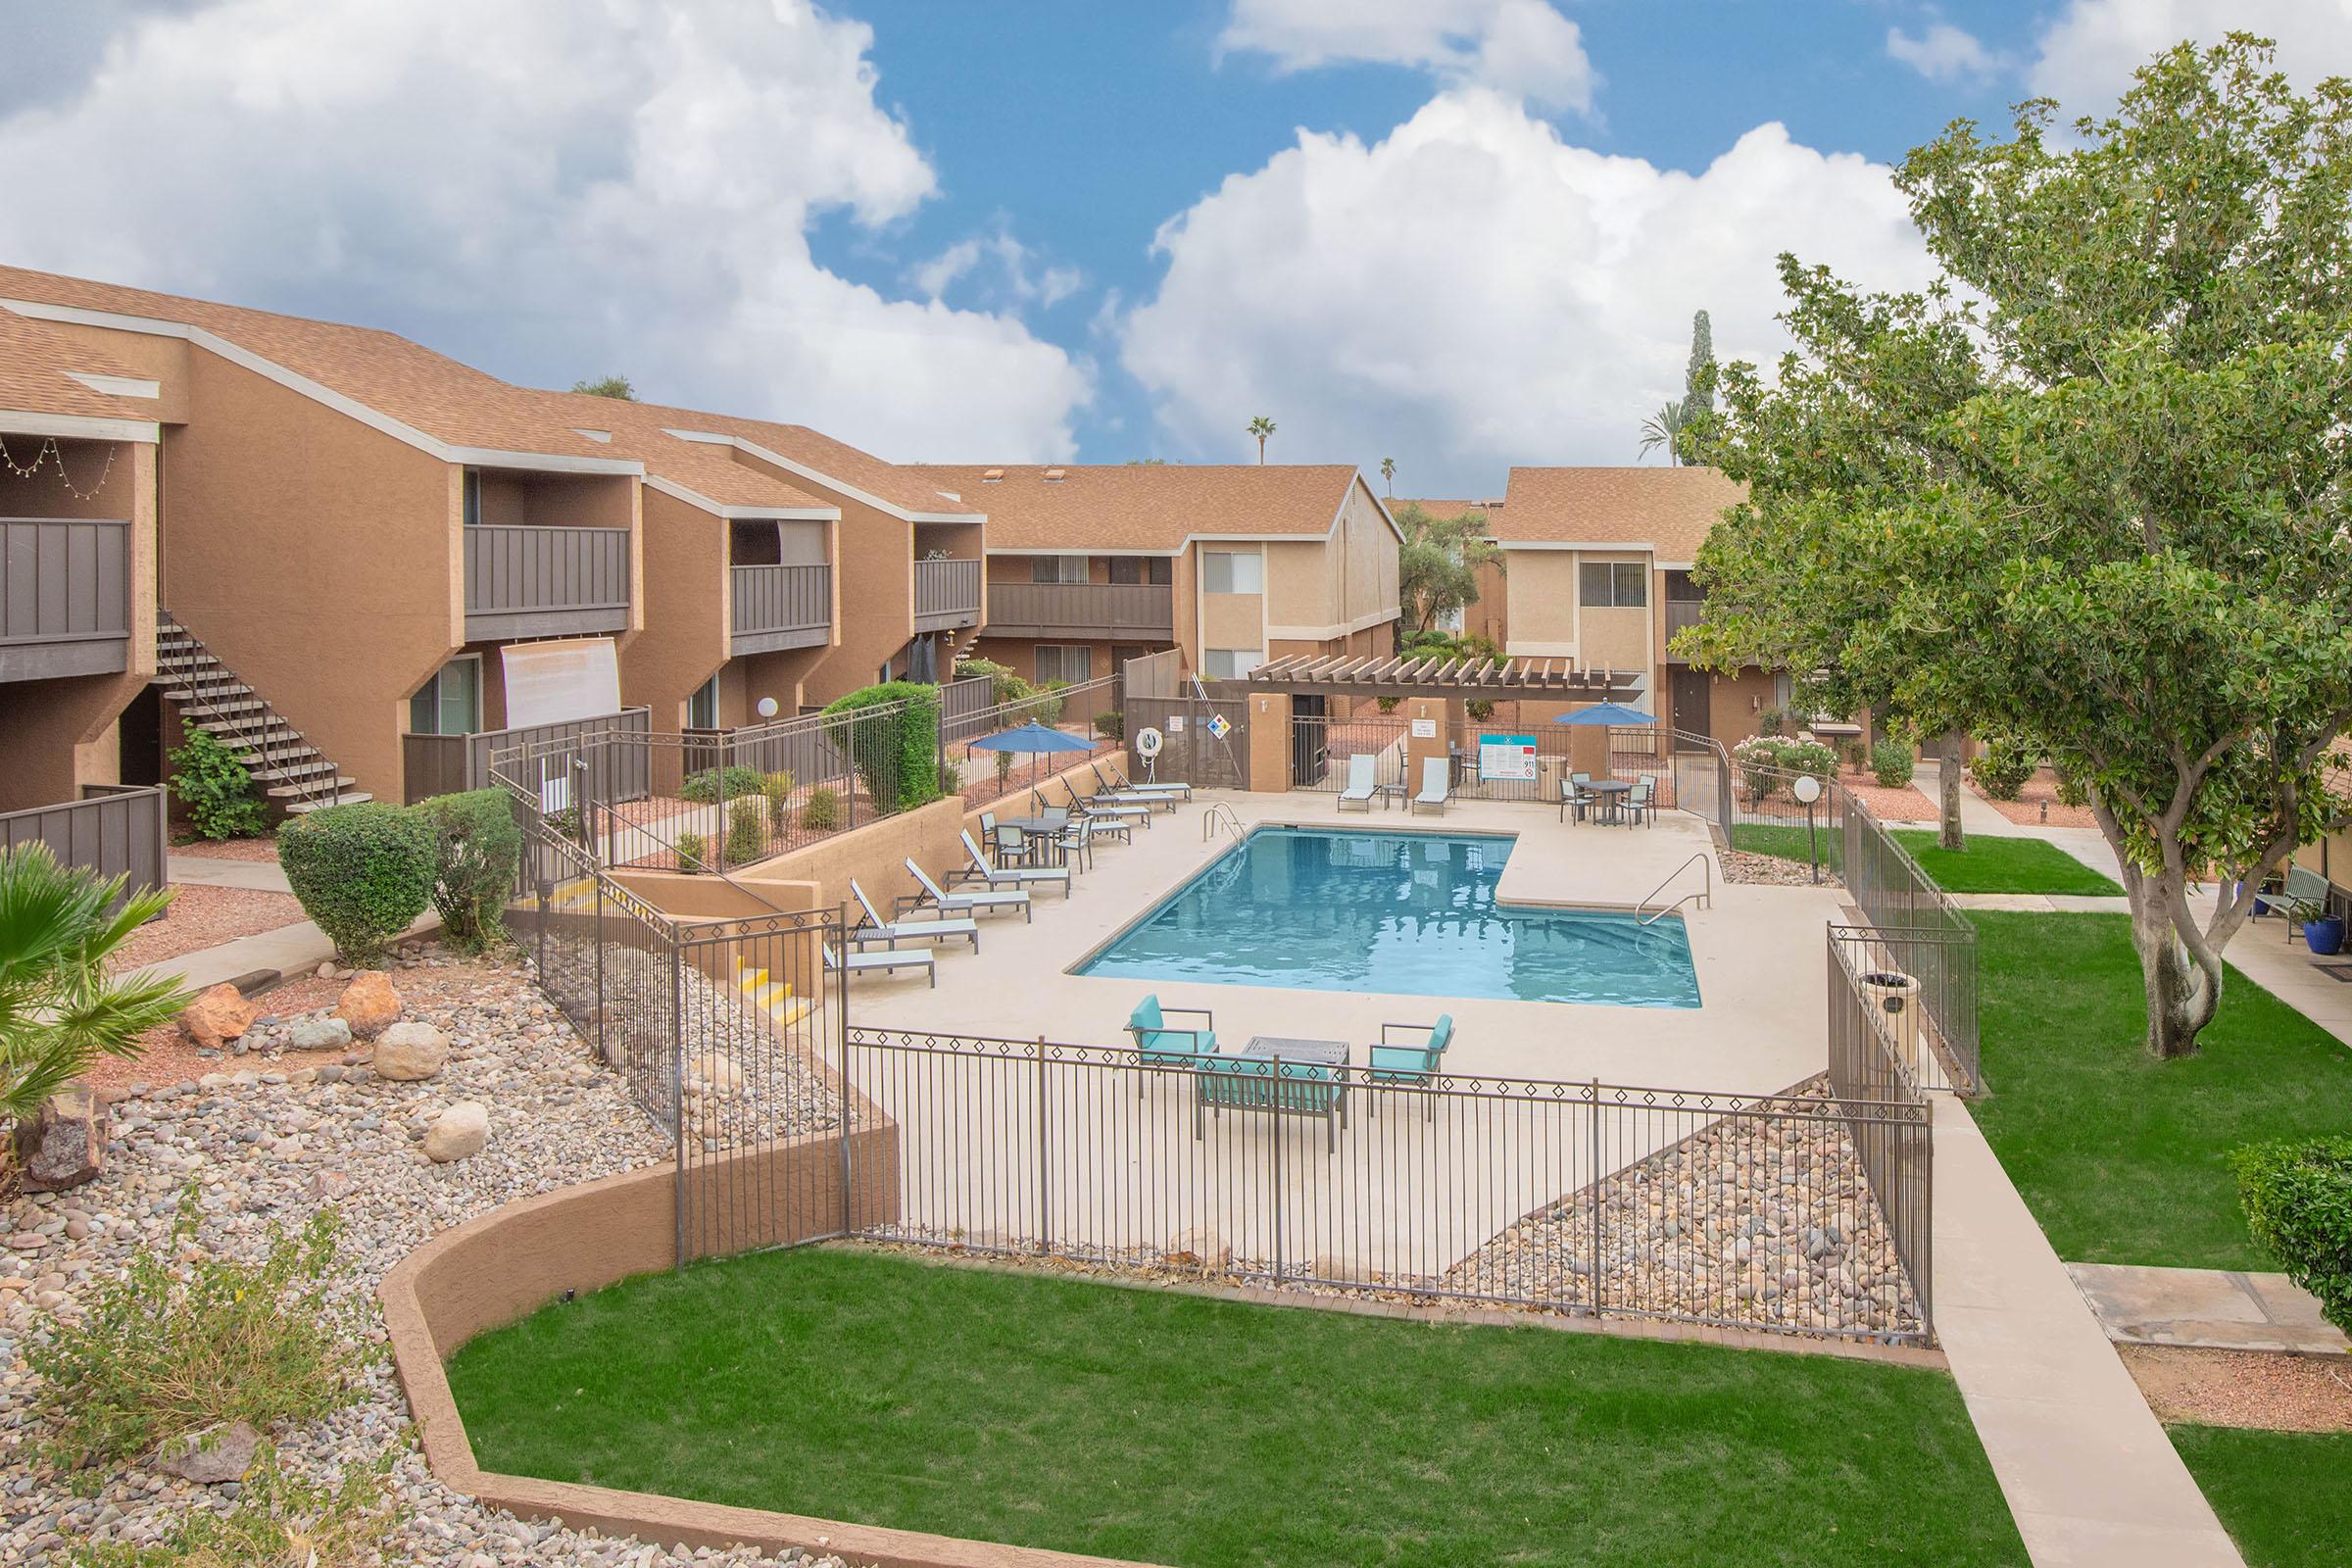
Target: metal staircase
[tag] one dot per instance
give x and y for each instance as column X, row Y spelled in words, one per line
column 293, row 773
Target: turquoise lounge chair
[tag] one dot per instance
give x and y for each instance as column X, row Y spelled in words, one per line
column 1160, row 1045
column 1412, row 1067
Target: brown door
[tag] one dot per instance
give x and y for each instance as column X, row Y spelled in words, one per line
column 1691, row 688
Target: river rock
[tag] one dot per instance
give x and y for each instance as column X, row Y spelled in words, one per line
column 457, row 1133
column 370, row 1005
column 217, row 1017
column 411, row 1052
column 210, row 1458
column 322, row 1034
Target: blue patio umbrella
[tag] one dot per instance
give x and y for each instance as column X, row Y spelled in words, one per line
column 1030, row 737
column 1606, row 714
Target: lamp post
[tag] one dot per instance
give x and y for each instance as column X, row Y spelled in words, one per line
column 1809, row 790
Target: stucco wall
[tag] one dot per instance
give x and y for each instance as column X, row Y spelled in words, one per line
column 685, row 594
column 1542, row 592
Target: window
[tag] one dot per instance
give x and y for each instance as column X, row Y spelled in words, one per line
column 701, row 708
column 1057, row 568
column 754, row 541
column 469, row 488
column 1071, row 661
column 1229, row 664
column 451, row 703
column 1229, row 571
column 1153, row 570
column 1614, row 584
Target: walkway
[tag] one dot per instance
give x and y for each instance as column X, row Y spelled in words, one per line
column 2087, row 1470
column 2209, row 1307
column 290, row 949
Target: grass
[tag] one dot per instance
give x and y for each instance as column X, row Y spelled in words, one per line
column 2285, row 1498
column 1177, row 1429
column 1992, row 864
column 2118, row 1156
column 1789, row 842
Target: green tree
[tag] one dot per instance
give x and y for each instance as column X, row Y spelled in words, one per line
column 1262, row 427
column 608, row 387
column 1664, row 428
column 2090, row 487
column 1437, row 564
column 59, row 1010
column 1388, row 476
column 1698, row 378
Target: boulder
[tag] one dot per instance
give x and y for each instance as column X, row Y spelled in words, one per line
column 457, row 1133
column 411, row 1052
column 63, row 1143
column 370, row 1005
column 1200, row 1247
column 217, row 1017
column 322, row 1034
column 712, row 1074
column 210, row 1458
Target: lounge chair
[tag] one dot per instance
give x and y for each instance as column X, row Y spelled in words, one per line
column 1158, row 1044
column 935, row 896
column 1402, row 1062
column 892, row 932
column 1127, row 786
column 1115, row 794
column 1108, row 822
column 1436, row 775
column 1360, row 782
column 1013, row 876
column 889, row 959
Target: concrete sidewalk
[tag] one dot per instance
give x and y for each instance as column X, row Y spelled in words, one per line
column 205, row 872
column 2088, row 1471
column 2218, row 1309
column 289, row 950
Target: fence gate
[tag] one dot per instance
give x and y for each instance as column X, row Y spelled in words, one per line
column 1192, row 752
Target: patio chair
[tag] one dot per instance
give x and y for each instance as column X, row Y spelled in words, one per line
column 891, row 933
column 1076, row 838
column 1641, row 806
column 1275, row 1087
column 1360, row 783
column 1157, row 1044
column 856, row 963
column 1176, row 787
column 1436, row 775
column 936, row 896
column 1014, row 876
column 1398, row 1061
column 1112, row 821
column 1573, row 797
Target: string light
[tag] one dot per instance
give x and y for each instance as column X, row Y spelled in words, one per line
column 50, row 452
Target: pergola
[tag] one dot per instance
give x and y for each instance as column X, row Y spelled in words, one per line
column 1407, row 675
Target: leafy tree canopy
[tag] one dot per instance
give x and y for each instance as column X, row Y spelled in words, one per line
column 1438, row 564
column 608, row 387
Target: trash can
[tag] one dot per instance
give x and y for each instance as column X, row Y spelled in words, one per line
column 1896, row 996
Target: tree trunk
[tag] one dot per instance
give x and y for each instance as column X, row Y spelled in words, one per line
column 1947, row 773
column 2183, row 993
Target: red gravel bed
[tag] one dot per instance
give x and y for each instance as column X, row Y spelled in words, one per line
column 203, row 916
column 1905, row 805
column 2025, row 810
column 168, row 1057
column 2263, row 1388
column 262, row 852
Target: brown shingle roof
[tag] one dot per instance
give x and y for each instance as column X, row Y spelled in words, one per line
column 34, row 364
column 404, row 381
column 642, row 432
column 837, row 460
column 1669, row 509
column 1146, row 507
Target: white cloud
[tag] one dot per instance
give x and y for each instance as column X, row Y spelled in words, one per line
column 1019, row 277
column 2089, row 53
column 545, row 187
column 1942, row 52
column 1525, row 48
column 1473, row 291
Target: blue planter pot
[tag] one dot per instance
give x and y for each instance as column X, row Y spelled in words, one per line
column 2323, row 937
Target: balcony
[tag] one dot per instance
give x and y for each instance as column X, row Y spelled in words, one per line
column 64, row 597
column 947, row 594
column 1101, row 611
column 1680, row 615
column 779, row 606
column 545, row 582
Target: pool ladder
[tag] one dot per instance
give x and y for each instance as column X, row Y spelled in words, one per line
column 1705, row 895
column 1220, row 815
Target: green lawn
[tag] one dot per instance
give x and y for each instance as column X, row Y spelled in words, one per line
column 1176, row 1429
column 2003, row 865
column 2120, row 1156
column 1790, row 841
column 2285, row 1497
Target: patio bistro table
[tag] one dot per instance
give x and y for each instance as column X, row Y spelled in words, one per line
column 1611, row 792
column 1279, row 1048
column 1035, row 830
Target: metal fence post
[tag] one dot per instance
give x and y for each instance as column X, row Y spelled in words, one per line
column 1597, row 1197
column 1044, row 1212
column 679, row 1197
column 1274, row 1137
column 600, row 970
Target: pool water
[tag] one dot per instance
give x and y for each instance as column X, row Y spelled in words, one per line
column 1415, row 913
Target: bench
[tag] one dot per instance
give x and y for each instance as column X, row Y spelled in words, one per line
column 1274, row 1087
column 2304, row 886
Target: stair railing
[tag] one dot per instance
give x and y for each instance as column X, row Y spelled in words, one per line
column 210, row 684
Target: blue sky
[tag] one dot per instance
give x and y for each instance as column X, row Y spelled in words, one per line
column 1465, row 234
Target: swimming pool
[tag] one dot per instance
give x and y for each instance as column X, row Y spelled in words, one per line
column 1331, row 909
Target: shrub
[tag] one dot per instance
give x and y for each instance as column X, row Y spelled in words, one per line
column 1771, row 722
column 278, row 1521
column 1004, row 772
column 1892, row 764
column 2298, row 1201
column 777, row 789
column 221, row 800
column 476, row 847
column 704, row 788
column 895, row 752
column 1807, row 756
column 1479, row 710
column 1856, row 754
column 1112, row 724
column 2002, row 767
column 822, row 813
column 362, row 871
column 1387, row 705
column 1004, row 686
column 1046, row 707
column 2070, row 790
column 746, row 837
column 60, row 1008
column 188, row 1337
column 693, row 851
column 950, row 777
column 1758, row 760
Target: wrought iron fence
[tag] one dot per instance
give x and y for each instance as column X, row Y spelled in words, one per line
column 1078, row 712
column 1924, row 935
column 1882, row 1054
column 1750, row 1212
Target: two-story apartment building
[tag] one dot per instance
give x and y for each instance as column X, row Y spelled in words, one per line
column 1090, row 565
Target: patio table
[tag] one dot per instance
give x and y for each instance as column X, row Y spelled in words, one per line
column 1038, row 836
column 1611, row 794
column 1281, row 1048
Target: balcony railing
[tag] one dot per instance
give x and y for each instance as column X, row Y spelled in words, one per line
column 780, row 607
column 946, row 593
column 64, row 597
column 545, row 582
column 1680, row 615
column 1098, row 609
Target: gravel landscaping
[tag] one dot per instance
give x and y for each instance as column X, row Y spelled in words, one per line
column 204, row 916
column 281, row 1134
column 260, row 851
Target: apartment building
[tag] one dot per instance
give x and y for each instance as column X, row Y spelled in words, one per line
column 1090, row 565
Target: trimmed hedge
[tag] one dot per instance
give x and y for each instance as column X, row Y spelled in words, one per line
column 362, row 872
column 2298, row 1201
column 477, row 846
column 702, row 788
column 896, row 755
column 2002, row 767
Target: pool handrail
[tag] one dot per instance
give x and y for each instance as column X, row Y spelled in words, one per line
column 1705, row 894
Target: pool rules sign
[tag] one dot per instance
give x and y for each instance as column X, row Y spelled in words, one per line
column 1506, row 757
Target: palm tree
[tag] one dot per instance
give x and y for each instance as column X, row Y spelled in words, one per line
column 58, row 1007
column 1662, row 428
column 1262, row 427
column 1388, row 476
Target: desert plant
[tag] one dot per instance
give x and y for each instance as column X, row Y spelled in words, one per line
column 221, row 800
column 1855, row 752
column 1112, row 724
column 2002, row 767
column 1004, row 772
column 1479, row 708
column 692, row 849
column 189, row 1338
column 776, row 788
column 746, row 838
column 706, row 787
column 476, row 848
column 950, row 777
column 59, row 1010
column 362, row 872
column 2298, row 1202
column 1892, row 764
column 279, row 1520
column 823, row 811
